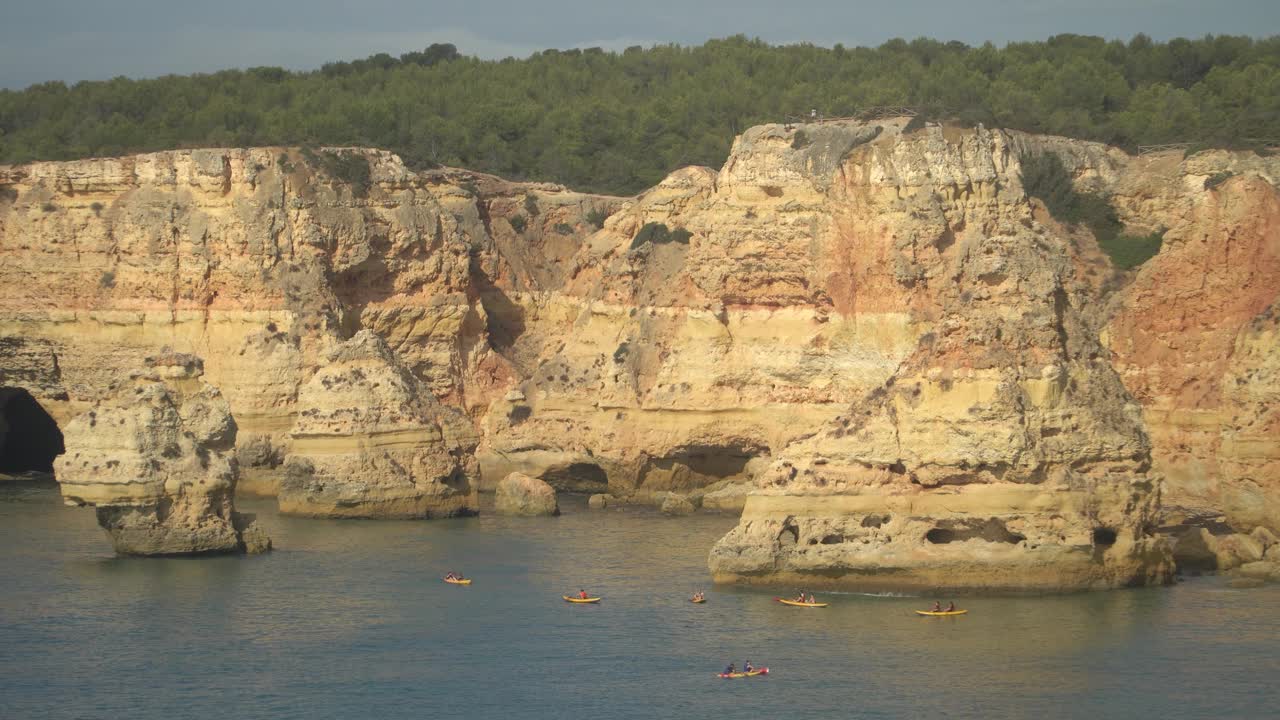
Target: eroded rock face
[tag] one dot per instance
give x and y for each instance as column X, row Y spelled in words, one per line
column 1194, row 338
column 1002, row 453
column 155, row 459
column 261, row 262
column 519, row 494
column 813, row 284
column 372, row 441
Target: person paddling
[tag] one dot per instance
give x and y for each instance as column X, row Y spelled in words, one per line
column 731, row 669
column 746, row 666
column 937, row 606
column 951, row 607
column 583, row 594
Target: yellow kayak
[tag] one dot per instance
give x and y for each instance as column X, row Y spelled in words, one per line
column 452, row 581
column 753, row 673
column 941, row 613
column 580, row 600
column 697, row 601
column 793, row 603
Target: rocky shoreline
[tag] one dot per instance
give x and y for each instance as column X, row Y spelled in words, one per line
column 900, row 369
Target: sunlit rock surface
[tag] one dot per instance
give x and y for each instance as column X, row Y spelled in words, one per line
column 155, row 459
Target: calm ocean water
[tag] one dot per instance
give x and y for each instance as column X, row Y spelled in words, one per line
column 348, row 619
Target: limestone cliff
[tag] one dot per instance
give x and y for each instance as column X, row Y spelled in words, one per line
column 1195, row 339
column 371, row 441
column 1002, row 453
column 710, row 326
column 261, row 261
column 155, row 459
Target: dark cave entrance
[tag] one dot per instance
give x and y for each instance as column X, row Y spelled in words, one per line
column 29, row 438
column 579, row 477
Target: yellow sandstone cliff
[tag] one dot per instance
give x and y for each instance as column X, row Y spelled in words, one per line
column 717, row 330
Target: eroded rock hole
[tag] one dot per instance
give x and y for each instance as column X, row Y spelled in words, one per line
column 29, row 437
column 696, row 466
column 1104, row 536
column 991, row 530
column 578, row 477
column 940, row 536
column 875, row 521
column 789, row 534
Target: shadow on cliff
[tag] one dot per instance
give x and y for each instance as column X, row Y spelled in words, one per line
column 506, row 322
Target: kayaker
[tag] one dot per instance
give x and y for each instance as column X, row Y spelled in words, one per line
column 583, row 594
column 800, row 598
column 451, row 575
column 746, row 666
column 952, row 606
column 730, row 670
column 937, row 606
column 811, row 600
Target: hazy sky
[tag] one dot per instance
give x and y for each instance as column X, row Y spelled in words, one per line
column 75, row 40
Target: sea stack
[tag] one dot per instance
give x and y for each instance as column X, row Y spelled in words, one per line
column 155, row 459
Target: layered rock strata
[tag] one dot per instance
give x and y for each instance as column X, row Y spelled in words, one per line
column 372, row 441
column 708, row 325
column 155, row 460
column 1003, row 453
column 1195, row 339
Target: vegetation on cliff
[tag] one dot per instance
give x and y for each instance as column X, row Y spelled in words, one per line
column 1045, row 177
column 618, row 122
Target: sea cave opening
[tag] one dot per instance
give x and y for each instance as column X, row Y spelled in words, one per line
column 579, row 477
column 29, row 437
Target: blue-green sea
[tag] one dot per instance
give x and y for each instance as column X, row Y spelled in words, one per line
column 349, row 619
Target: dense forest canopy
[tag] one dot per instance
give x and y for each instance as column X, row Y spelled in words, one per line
column 618, row 122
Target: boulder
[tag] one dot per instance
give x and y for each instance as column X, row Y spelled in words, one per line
column 730, row 498
column 677, row 504
column 1197, row 548
column 1265, row 538
column 1261, row 570
column 519, row 494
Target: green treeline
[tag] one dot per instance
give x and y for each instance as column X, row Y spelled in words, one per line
column 618, row 122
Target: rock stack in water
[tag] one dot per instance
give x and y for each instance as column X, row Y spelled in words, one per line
column 155, row 459
column 372, row 441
